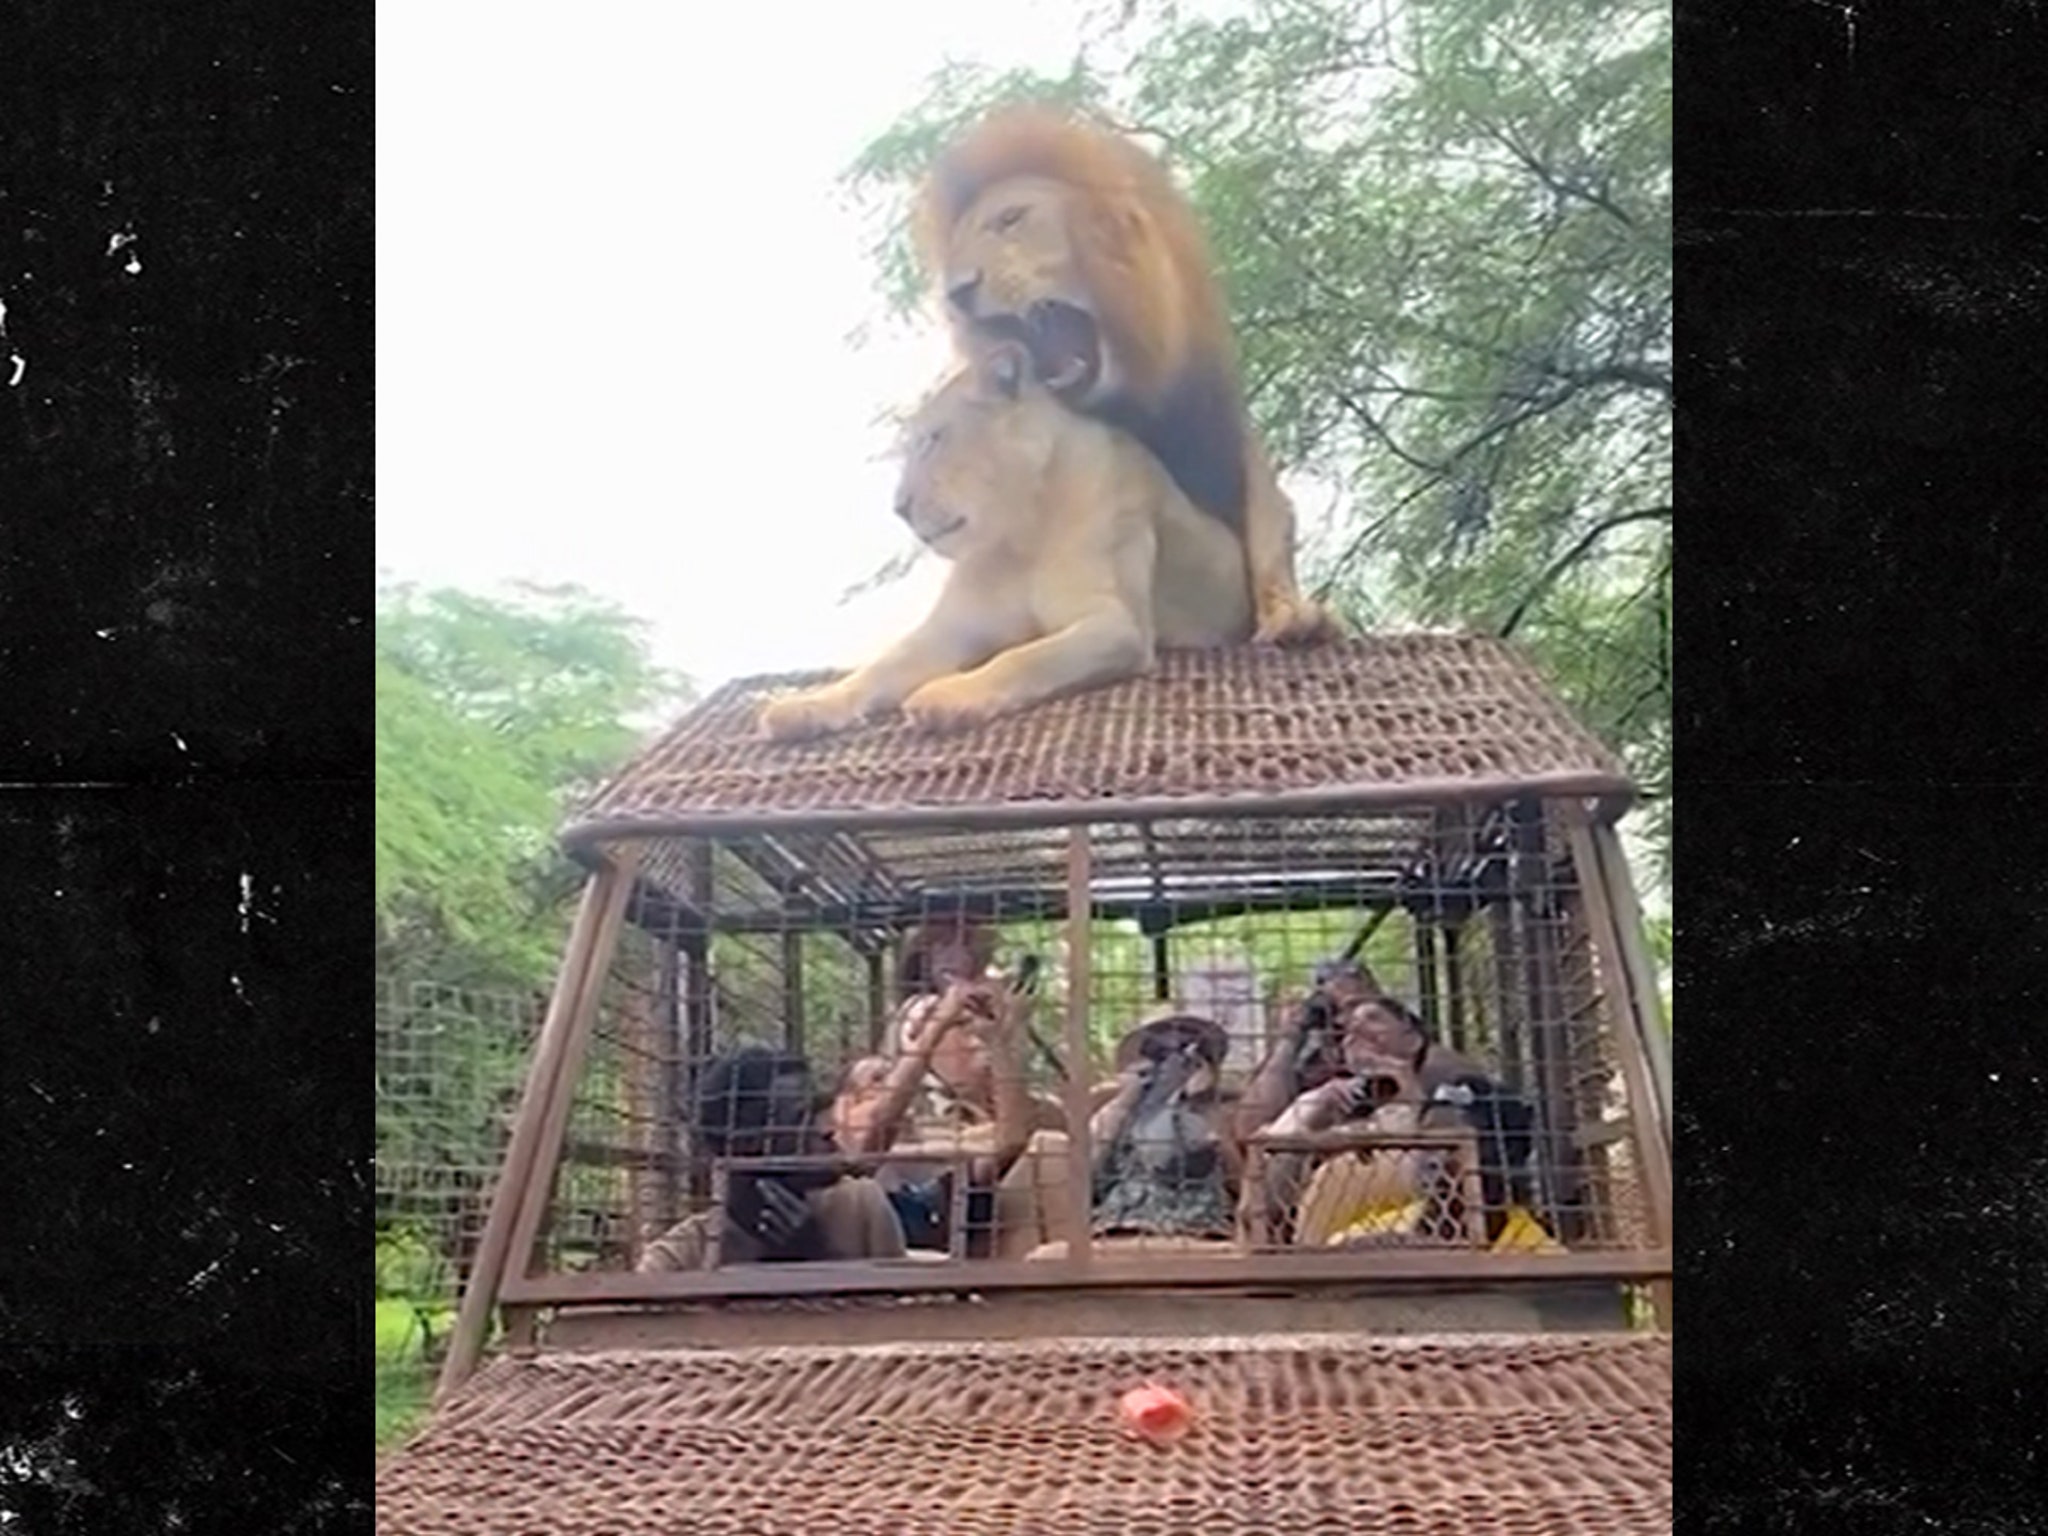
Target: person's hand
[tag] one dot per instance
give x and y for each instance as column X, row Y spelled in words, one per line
column 1371, row 1075
column 996, row 1014
column 1293, row 1019
column 1325, row 1105
column 926, row 1019
column 1132, row 1080
column 783, row 1215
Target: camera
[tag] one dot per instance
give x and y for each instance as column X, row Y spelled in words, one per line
column 743, row 1204
column 1318, row 1029
column 1369, row 1091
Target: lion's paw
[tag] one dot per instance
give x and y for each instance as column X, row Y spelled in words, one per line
column 949, row 704
column 1295, row 620
column 800, row 716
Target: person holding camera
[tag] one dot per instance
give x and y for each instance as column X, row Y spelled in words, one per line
column 1165, row 1161
column 956, row 1083
column 1305, row 1051
column 1352, row 1055
column 756, row 1102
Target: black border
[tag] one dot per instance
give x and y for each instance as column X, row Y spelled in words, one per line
column 1862, row 284
column 1861, row 293
column 186, row 256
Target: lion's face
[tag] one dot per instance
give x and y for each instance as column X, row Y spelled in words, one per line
column 973, row 454
column 1012, row 272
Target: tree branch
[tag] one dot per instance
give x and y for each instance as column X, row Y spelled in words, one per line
column 1636, row 375
column 1573, row 556
column 1378, row 429
column 1562, row 185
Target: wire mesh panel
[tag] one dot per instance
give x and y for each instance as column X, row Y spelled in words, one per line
column 1339, row 1033
column 1302, row 1434
column 450, row 1064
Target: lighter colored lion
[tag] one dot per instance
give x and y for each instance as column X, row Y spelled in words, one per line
column 1043, row 228
column 1074, row 554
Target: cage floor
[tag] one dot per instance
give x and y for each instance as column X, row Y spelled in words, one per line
column 1294, row 1436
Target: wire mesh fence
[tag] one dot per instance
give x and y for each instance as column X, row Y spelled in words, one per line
column 451, row 1064
column 1331, row 1033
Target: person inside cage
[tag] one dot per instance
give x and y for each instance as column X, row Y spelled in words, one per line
column 1370, row 1061
column 958, row 1087
column 758, row 1103
column 957, row 948
column 1165, row 1161
column 954, row 1082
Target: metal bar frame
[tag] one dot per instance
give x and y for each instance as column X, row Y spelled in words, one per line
column 1627, row 914
column 519, row 1208
column 1304, row 1268
column 1611, row 794
column 1075, row 1090
column 603, row 894
column 1651, row 1129
column 554, row 1116
column 793, row 990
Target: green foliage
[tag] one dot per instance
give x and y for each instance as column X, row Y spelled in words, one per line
column 492, row 718
column 1282, row 950
column 1445, row 230
column 407, row 1263
column 404, row 1375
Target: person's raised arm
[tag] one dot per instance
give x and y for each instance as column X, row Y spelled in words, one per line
column 1001, row 1016
column 1275, row 1084
column 925, row 1021
column 1107, row 1123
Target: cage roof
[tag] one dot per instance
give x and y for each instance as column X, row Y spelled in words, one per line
column 1389, row 720
column 1303, row 1433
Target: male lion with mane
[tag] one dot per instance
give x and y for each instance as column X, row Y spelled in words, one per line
column 1048, row 230
column 1074, row 555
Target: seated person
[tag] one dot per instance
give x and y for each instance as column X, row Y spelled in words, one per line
column 1364, row 1195
column 1371, row 1062
column 956, row 1083
column 944, row 950
column 759, row 1103
column 1304, row 1050
column 1165, row 1163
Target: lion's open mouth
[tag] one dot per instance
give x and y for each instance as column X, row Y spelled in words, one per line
column 1065, row 346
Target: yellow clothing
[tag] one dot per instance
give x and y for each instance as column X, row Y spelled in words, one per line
column 1350, row 1198
column 1524, row 1234
column 1370, row 1221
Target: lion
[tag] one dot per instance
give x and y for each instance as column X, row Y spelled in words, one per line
column 1074, row 556
column 1043, row 228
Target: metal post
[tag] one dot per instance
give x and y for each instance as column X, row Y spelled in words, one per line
column 878, row 996
column 697, row 1003
column 1454, row 985
column 668, row 1118
column 1426, row 991
column 554, row 1119
column 1649, row 1129
column 1080, row 985
column 1635, row 953
column 604, row 892
column 793, row 991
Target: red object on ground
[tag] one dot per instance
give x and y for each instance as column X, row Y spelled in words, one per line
column 1157, row 1413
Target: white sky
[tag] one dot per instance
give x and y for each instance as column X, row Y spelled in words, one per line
column 579, row 332
column 607, row 240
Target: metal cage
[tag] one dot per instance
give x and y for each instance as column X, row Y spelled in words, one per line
column 1195, row 844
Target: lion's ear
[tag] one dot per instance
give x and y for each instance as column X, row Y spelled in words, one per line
column 1006, row 367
